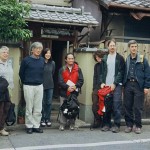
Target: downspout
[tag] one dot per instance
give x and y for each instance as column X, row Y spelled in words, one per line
column 67, row 46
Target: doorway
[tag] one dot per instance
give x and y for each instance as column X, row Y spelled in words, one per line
column 57, row 53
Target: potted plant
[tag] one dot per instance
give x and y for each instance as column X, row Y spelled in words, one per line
column 21, row 107
column 13, row 27
column 21, row 114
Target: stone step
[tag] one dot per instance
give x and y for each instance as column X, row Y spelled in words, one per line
column 55, row 104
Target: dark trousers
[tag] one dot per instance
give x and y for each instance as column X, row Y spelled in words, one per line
column 133, row 103
column 4, row 107
column 117, row 109
column 95, row 100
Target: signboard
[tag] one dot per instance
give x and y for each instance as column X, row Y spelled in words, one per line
column 56, row 32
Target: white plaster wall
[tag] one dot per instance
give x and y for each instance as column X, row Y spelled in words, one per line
column 86, row 63
column 15, row 55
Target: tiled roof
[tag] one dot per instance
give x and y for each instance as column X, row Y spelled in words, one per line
column 61, row 15
column 130, row 3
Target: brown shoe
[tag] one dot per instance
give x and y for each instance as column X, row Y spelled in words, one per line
column 128, row 130
column 137, row 130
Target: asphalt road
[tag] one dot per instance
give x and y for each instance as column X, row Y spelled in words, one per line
column 80, row 139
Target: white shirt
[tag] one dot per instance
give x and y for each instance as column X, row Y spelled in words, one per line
column 110, row 69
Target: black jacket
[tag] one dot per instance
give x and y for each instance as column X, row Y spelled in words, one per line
column 119, row 69
column 97, row 77
column 4, row 94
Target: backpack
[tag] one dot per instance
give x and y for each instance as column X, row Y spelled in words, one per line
column 142, row 60
column 11, row 116
column 3, row 84
column 70, row 107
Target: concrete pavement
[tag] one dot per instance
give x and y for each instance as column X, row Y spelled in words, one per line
column 81, row 138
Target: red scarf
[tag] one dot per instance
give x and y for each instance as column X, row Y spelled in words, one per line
column 72, row 76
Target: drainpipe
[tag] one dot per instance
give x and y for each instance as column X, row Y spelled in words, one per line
column 67, row 46
column 88, row 36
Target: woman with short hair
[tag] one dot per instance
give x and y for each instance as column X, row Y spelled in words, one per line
column 6, row 72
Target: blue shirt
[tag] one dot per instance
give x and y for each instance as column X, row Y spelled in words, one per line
column 131, row 74
column 31, row 71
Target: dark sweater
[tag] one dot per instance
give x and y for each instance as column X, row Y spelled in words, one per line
column 31, row 71
column 97, row 77
column 49, row 69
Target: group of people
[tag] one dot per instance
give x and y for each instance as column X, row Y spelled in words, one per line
column 36, row 74
column 129, row 79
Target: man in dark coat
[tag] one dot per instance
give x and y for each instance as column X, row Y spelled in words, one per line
column 136, row 84
column 98, row 55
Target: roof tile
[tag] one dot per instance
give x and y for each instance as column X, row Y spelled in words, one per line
column 137, row 3
column 75, row 16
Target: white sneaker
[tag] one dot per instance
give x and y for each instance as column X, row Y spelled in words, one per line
column 43, row 124
column 48, row 124
column 71, row 127
column 4, row 133
column 61, row 128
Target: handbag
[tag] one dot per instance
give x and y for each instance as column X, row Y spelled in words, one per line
column 70, row 107
column 11, row 116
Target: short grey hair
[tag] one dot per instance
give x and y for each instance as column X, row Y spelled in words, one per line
column 132, row 42
column 36, row 45
column 3, row 48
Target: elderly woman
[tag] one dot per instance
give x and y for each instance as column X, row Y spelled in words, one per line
column 6, row 72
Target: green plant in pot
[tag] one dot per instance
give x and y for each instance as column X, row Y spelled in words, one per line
column 21, row 114
column 13, row 27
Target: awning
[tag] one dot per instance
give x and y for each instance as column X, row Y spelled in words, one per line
column 61, row 15
column 139, row 15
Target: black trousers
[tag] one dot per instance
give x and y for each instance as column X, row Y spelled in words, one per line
column 133, row 104
column 4, row 107
column 95, row 98
column 116, row 110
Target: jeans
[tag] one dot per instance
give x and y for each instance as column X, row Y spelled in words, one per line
column 133, row 103
column 117, row 109
column 47, row 104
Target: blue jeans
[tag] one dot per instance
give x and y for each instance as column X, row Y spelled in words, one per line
column 117, row 108
column 46, row 105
